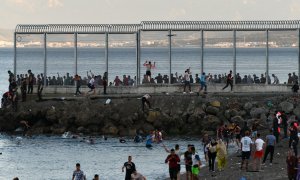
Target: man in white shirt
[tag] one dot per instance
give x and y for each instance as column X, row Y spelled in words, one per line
column 259, row 151
column 246, row 143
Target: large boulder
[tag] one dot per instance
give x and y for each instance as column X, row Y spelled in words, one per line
column 152, row 116
column 296, row 111
column 286, row 106
column 248, row 106
column 212, row 110
column 237, row 119
column 199, row 112
column 51, row 115
column 256, row 112
column 110, row 129
column 210, row 122
column 215, row 104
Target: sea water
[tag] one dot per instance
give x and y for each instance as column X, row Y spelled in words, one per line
column 54, row 158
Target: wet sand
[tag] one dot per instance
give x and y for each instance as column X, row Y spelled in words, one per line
column 276, row 171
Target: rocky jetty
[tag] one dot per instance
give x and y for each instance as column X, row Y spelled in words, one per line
column 175, row 114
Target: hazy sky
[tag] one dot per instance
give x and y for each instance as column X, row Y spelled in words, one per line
column 13, row 12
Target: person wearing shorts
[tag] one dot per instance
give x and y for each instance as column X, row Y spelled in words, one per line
column 259, row 149
column 196, row 164
column 246, row 143
column 188, row 162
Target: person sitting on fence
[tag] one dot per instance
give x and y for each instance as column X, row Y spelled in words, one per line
column 149, row 66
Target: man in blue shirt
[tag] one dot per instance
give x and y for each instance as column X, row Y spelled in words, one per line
column 202, row 84
column 270, row 141
column 149, row 141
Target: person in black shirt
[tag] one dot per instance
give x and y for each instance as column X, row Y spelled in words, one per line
column 188, row 162
column 284, row 123
column 30, row 82
column 229, row 81
column 130, row 168
column 159, row 79
column 293, row 142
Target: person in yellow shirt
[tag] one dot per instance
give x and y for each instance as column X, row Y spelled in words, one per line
column 221, row 155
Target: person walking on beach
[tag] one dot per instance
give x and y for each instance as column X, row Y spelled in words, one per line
column 229, row 81
column 212, row 154
column 294, row 139
column 78, row 174
column 221, row 155
column 173, row 161
column 292, row 163
column 196, row 164
column 130, row 168
column 246, row 143
column 259, row 151
column 149, row 66
column 237, row 132
column 77, row 80
column 202, row 84
column 145, row 100
column 188, row 162
column 178, row 153
column 187, row 80
column 270, row 142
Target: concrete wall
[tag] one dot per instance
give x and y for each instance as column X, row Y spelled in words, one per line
column 169, row 89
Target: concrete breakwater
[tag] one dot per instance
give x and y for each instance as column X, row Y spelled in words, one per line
column 175, row 114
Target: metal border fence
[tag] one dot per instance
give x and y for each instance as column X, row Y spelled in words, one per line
column 201, row 26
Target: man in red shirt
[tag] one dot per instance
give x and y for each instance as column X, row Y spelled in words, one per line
column 229, row 81
column 173, row 161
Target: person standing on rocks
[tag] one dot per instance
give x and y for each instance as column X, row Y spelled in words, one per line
column 246, row 143
column 145, row 100
column 130, row 168
column 271, row 142
column 173, row 161
column 229, row 81
column 258, row 154
column 78, row 174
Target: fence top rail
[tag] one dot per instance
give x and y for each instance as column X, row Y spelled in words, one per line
column 159, row 25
